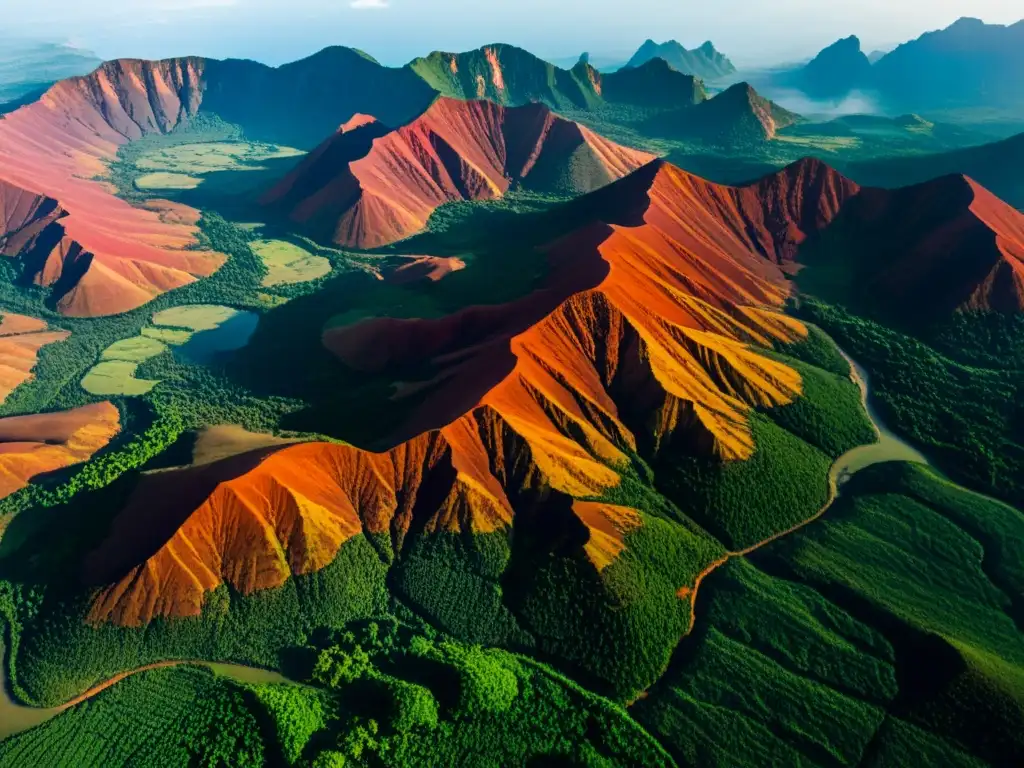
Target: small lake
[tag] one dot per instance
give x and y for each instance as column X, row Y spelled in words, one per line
column 234, row 333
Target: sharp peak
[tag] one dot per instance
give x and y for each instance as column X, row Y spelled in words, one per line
column 810, row 164
column 657, row 62
column 357, row 121
column 850, row 41
column 742, row 87
column 336, row 51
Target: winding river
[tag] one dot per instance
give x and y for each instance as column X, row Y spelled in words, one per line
column 16, row 718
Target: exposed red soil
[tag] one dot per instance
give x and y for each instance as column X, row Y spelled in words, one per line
column 640, row 336
column 100, row 254
column 21, row 338
column 369, row 187
column 40, row 443
column 929, row 250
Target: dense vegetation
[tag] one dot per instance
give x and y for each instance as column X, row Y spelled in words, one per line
column 964, row 405
column 886, row 632
column 375, row 693
column 880, row 633
column 182, row 716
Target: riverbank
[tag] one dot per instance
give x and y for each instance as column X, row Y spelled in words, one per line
column 17, row 718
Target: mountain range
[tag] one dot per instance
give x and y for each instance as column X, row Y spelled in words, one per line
column 368, row 186
column 967, row 64
column 470, row 430
column 704, row 62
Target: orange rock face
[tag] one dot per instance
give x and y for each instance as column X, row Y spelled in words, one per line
column 40, row 443
column 641, row 337
column 369, row 187
column 99, row 254
column 21, row 338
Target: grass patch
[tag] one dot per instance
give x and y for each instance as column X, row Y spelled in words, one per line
column 206, row 157
column 116, row 377
column 172, row 336
column 156, row 181
column 289, row 263
column 134, row 350
column 197, row 317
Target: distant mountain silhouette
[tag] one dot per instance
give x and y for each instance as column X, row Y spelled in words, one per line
column 704, row 62
column 28, row 66
column 967, row 64
column 837, row 70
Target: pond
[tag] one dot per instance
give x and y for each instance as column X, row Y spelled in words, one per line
column 232, row 333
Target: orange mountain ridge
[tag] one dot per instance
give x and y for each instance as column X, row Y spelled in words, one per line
column 931, row 249
column 369, row 186
column 99, row 254
column 640, row 337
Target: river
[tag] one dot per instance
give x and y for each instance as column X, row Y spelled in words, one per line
column 16, row 718
column 888, row 448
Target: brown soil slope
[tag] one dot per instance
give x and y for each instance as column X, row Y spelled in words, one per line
column 98, row 253
column 21, row 338
column 40, row 443
column 366, row 186
column 640, row 337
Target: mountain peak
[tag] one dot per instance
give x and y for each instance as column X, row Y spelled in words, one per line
column 704, row 62
column 348, row 192
column 358, row 120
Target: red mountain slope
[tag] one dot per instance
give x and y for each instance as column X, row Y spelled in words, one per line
column 639, row 338
column 923, row 252
column 39, row 443
column 100, row 254
column 367, row 187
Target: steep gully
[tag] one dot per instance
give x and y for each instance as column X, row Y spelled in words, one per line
column 16, row 718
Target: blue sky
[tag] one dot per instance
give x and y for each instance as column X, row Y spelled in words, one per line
column 750, row 31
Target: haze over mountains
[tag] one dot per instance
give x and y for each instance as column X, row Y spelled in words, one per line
column 450, row 392
column 968, row 64
column 27, row 67
column 704, row 62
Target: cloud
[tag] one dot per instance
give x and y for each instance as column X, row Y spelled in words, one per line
column 369, row 5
